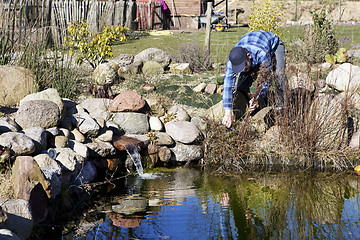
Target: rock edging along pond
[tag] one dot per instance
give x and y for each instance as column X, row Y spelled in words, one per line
column 56, row 142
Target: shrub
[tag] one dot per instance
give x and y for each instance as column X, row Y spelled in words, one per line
column 198, row 58
column 318, row 41
column 265, row 16
column 93, row 49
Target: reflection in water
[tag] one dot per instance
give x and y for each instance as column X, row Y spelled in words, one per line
column 188, row 204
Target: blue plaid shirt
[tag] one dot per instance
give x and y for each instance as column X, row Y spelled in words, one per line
column 260, row 45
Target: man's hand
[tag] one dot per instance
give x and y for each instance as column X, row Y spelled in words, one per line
column 252, row 104
column 227, row 120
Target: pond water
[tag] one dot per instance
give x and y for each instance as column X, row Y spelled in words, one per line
column 190, row 204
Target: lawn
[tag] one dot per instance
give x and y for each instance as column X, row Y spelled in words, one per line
column 222, row 42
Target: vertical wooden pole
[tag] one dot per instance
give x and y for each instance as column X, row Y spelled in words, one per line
column 208, row 26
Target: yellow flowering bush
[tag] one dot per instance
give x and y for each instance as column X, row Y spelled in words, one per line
column 93, row 48
column 265, row 15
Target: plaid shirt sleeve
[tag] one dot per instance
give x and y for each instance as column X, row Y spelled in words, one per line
column 229, row 82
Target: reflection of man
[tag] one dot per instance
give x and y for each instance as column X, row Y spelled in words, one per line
column 226, row 220
column 254, row 49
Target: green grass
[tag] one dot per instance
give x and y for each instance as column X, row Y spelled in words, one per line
column 222, row 42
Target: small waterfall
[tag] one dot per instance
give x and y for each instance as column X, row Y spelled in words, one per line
column 135, row 156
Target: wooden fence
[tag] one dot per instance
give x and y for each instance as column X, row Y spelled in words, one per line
column 48, row 19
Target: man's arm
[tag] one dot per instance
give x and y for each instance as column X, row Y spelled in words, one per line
column 229, row 82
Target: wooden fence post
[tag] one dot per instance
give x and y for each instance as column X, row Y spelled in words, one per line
column 208, row 26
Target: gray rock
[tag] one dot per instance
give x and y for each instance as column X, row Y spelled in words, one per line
column 97, row 107
column 79, row 148
column 50, row 94
column 38, row 113
column 156, row 124
column 340, row 78
column 52, row 172
column 110, row 125
column 132, row 123
column 163, row 139
column 200, row 123
column 156, row 106
column 77, row 135
column 154, row 54
column 107, row 136
column 86, row 124
column 99, row 149
column 15, row 82
column 185, row 153
column 184, row 132
column 180, row 68
column 61, row 142
column 17, row 142
column 123, row 59
column 19, row 217
column 52, row 132
column 104, row 74
column 152, row 68
column 39, row 136
column 200, row 88
column 67, row 158
column 8, row 124
column 179, row 113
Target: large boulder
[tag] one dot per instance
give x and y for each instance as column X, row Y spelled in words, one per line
column 38, row 113
column 97, row 107
column 185, row 153
column 15, row 82
column 345, row 77
column 31, row 185
column 50, row 94
column 153, row 54
column 104, row 74
column 123, row 60
column 131, row 122
column 19, row 143
column 152, row 68
column 184, row 132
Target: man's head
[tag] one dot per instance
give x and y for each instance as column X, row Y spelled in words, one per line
column 240, row 59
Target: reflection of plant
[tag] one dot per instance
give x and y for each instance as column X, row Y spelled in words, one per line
column 93, row 49
column 265, row 16
column 339, row 57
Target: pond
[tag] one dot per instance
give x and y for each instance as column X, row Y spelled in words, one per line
column 192, row 204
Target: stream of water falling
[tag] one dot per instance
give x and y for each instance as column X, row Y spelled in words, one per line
column 135, row 156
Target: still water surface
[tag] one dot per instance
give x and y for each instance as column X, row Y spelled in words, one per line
column 189, row 204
